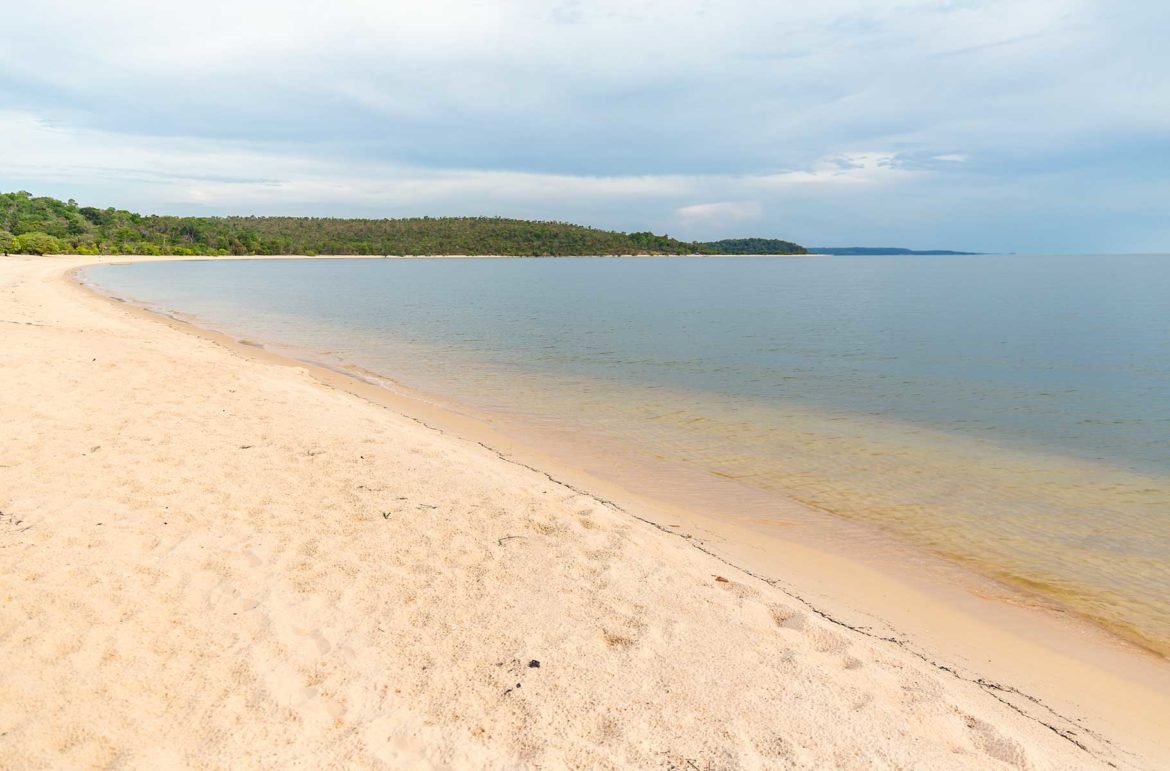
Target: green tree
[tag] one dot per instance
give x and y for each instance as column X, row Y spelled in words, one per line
column 37, row 243
column 7, row 242
column 85, row 229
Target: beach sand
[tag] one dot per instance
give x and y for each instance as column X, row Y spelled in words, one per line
column 211, row 559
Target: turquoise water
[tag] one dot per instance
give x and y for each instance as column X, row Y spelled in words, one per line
column 1012, row 412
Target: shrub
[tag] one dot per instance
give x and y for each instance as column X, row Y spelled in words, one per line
column 37, row 243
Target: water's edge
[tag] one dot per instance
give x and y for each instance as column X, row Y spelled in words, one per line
column 1036, row 592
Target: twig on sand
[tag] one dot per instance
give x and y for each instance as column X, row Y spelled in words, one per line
column 500, row 541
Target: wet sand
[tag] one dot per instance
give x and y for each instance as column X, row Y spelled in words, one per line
column 210, row 556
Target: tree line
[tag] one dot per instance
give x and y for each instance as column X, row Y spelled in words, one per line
column 42, row 225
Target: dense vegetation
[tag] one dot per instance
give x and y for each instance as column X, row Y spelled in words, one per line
column 35, row 225
column 752, row 246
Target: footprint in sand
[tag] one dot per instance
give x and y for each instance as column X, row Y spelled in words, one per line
column 991, row 742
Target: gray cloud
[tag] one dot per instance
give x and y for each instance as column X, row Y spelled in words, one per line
column 843, row 121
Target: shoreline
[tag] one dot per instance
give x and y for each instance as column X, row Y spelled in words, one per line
column 833, row 557
column 819, row 531
column 1018, row 656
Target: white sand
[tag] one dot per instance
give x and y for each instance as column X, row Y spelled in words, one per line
column 210, row 560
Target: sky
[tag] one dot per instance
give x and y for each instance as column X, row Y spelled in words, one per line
column 988, row 125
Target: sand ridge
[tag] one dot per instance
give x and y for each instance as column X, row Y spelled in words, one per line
column 210, row 561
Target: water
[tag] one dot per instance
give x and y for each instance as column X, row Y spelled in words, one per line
column 1009, row 412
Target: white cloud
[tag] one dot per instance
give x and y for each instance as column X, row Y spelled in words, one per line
column 873, row 168
column 720, row 213
column 229, row 173
column 233, row 175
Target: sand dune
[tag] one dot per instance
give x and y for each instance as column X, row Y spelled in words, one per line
column 207, row 560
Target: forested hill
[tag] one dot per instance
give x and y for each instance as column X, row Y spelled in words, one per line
column 752, row 246
column 36, row 225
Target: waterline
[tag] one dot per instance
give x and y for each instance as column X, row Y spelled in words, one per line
column 927, row 400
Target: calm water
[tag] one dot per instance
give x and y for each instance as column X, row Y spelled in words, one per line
column 1010, row 412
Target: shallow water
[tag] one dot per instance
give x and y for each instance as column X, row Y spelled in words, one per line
column 1011, row 412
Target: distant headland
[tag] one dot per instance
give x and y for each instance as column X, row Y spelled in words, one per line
column 43, row 225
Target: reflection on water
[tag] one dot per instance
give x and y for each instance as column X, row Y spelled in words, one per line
column 1012, row 413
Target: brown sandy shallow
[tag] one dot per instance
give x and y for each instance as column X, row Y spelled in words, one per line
column 210, row 559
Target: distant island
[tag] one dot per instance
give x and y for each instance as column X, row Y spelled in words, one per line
column 878, row 250
column 752, row 246
column 42, row 225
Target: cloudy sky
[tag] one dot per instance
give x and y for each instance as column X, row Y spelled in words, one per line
column 1015, row 125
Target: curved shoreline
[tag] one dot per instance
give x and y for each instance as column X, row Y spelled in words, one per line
column 840, row 543
column 820, row 529
column 987, row 647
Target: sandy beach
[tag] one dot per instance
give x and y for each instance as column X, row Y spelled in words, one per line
column 211, row 558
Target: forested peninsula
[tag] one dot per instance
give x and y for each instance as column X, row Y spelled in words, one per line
column 42, row 225
column 752, row 246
